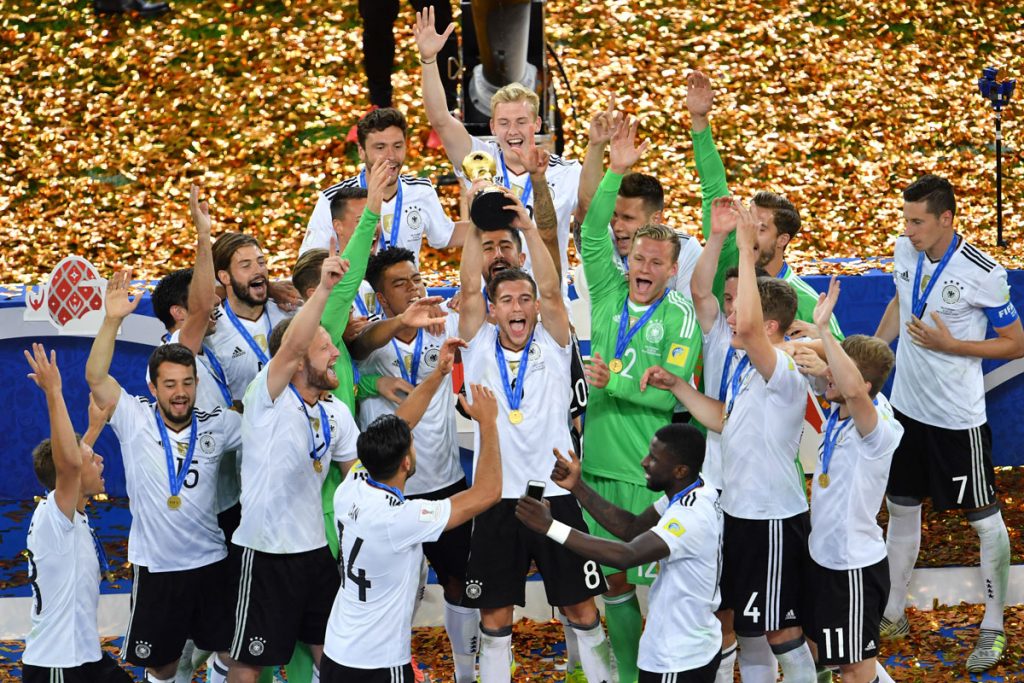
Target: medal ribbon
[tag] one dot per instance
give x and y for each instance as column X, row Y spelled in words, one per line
column 410, row 375
column 723, row 387
column 514, row 396
column 219, row 376
column 244, row 333
column 624, row 337
column 737, row 377
column 527, row 189
column 101, row 555
column 176, row 477
column 314, row 452
column 699, row 482
column 363, row 309
column 920, row 301
column 384, row 487
column 396, row 218
column 831, row 436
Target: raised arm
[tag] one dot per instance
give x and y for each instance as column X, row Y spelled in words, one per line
column 473, row 308
column 457, row 142
column 118, row 306
column 98, row 418
column 702, row 284
column 545, row 273
column 704, row 409
column 749, row 316
column 67, row 455
column 535, row 161
column 486, row 488
column 304, row 325
column 600, row 134
column 202, row 293
column 416, row 403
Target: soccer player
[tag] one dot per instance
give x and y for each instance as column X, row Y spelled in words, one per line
column 761, row 420
column 636, row 322
column 411, row 207
column 522, row 360
column 383, row 533
column 410, row 353
column 849, row 574
column 172, row 455
column 65, row 559
column 514, row 124
column 681, row 531
column 289, row 429
column 947, row 292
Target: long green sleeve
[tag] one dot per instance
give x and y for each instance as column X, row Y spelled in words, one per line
column 596, row 250
column 713, row 185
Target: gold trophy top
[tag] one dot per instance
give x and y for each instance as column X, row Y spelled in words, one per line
column 479, row 166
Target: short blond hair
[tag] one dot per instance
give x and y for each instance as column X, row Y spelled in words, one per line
column 659, row 233
column 873, row 358
column 515, row 92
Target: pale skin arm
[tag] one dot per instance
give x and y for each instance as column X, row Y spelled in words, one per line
column 723, row 222
column 420, row 314
column 459, row 233
column 118, row 306
column 486, row 488
column 845, row 375
column 535, row 161
column 889, row 325
column 601, row 127
column 705, row 409
column 67, row 456
column 98, row 418
column 304, row 325
column 749, row 317
column 472, row 308
column 202, row 293
column 416, row 403
column 457, row 142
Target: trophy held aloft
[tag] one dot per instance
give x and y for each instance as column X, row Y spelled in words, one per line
column 487, row 209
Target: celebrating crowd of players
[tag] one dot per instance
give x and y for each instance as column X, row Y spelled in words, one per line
column 292, row 469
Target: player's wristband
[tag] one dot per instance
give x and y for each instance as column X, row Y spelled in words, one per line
column 558, row 532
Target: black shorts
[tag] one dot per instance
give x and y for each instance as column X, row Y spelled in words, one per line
column 953, row 467
column 282, row 599
column 103, row 670
column 448, row 554
column 843, row 611
column 502, row 549
column 332, row 672
column 763, row 563
column 168, row 608
column 705, row 674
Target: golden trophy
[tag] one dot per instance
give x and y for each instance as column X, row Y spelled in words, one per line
column 487, row 209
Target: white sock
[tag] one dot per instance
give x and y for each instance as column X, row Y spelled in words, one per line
column 463, row 627
column 995, row 567
column 216, row 672
column 186, row 663
column 153, row 679
column 572, row 647
column 902, row 543
column 881, row 675
column 315, row 677
column 727, row 665
column 595, row 653
column 495, row 655
column 757, row 661
column 796, row 662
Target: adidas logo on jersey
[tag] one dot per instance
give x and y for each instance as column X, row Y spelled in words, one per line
column 870, row 646
column 790, row 615
column 237, row 352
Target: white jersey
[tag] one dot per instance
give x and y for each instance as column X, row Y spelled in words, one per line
column 525, row 447
column 716, row 349
column 563, row 178
column 760, row 443
column 162, row 539
column 380, row 539
column 421, row 213
column 238, row 359
column 844, row 530
column 65, row 576
column 941, row 389
column 436, row 436
column 682, row 632
column 281, row 510
column 689, row 251
column 209, row 396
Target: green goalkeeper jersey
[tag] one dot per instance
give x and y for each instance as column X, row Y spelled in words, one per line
column 620, row 418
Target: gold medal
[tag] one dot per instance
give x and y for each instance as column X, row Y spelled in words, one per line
column 174, row 502
column 109, row 576
column 318, row 466
column 615, row 365
column 725, row 416
column 823, row 480
column 515, row 416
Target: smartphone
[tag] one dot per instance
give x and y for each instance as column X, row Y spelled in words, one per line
column 535, row 489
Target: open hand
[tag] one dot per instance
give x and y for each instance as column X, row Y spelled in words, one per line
column 596, row 371
column 484, row 408
column 446, row 356
column 117, row 303
column 624, row 152
column 826, row 304
column 428, row 40
column 45, row 372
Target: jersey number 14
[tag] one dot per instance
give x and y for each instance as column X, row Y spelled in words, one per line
column 351, row 573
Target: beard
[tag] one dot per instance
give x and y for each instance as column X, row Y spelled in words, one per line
column 166, row 409
column 504, row 265
column 242, row 293
column 764, row 257
column 324, row 380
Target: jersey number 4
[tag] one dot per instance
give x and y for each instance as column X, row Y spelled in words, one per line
column 351, row 573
